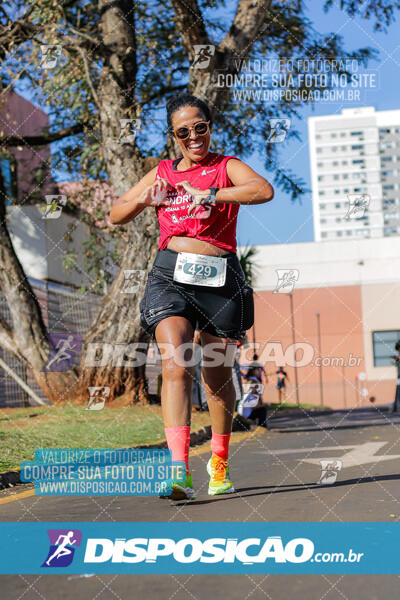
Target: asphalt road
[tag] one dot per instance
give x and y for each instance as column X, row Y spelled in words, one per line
column 277, row 474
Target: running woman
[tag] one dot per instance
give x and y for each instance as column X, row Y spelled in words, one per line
column 196, row 282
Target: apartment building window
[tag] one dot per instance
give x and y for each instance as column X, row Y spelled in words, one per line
column 324, row 234
column 322, row 206
column 339, row 234
column 356, row 132
column 337, row 205
column 357, row 147
column 383, row 343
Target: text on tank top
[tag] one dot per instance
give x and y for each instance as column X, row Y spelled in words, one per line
column 213, row 224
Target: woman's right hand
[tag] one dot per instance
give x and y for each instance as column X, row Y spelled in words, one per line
column 149, row 191
column 156, row 194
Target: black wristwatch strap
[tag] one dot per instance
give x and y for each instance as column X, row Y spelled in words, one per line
column 211, row 199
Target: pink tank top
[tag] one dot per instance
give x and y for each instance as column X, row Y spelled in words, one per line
column 213, row 224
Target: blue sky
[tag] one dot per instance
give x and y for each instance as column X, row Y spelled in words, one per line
column 281, row 221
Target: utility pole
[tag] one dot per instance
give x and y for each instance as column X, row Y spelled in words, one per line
column 294, row 342
column 321, row 392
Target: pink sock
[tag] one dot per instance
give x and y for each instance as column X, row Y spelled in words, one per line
column 178, row 440
column 220, row 444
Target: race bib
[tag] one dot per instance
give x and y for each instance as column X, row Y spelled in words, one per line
column 200, row 269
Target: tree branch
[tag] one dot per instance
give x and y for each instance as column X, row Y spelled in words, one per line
column 164, row 90
column 20, row 31
column 246, row 26
column 40, row 140
column 88, row 78
column 189, row 21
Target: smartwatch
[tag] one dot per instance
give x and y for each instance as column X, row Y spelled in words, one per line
column 211, row 198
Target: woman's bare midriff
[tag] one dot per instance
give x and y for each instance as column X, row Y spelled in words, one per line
column 187, row 244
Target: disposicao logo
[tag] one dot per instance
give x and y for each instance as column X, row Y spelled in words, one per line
column 62, row 547
column 191, row 550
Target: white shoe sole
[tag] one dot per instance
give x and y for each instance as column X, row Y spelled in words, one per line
column 220, row 492
column 180, row 493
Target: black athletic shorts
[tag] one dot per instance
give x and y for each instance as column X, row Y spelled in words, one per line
column 226, row 311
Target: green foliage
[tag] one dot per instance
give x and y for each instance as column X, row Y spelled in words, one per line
column 248, row 263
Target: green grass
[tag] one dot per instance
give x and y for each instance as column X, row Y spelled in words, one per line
column 24, row 430
column 303, row 405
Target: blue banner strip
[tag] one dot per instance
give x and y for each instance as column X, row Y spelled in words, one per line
column 56, row 547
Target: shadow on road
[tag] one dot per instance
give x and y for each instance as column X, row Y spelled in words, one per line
column 340, row 419
column 282, row 489
column 293, row 429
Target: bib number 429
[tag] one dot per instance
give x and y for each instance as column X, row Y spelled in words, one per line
column 199, row 269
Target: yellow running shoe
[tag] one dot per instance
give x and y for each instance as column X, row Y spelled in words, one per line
column 218, row 469
column 182, row 490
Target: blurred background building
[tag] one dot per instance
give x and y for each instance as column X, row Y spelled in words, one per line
column 345, row 310
column 355, row 153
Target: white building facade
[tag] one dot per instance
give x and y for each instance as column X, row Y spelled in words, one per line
column 355, row 174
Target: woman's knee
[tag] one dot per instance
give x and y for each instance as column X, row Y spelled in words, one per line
column 175, row 372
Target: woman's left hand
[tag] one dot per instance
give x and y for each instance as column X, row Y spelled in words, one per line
column 198, row 196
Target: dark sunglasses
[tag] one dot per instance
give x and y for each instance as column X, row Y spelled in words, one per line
column 200, row 128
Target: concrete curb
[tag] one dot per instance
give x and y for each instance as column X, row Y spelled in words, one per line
column 199, row 436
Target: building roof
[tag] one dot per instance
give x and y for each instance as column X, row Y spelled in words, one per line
column 330, row 263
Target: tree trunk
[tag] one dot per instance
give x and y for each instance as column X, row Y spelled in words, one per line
column 117, row 321
column 27, row 338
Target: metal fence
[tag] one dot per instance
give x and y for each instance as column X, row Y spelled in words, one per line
column 64, row 310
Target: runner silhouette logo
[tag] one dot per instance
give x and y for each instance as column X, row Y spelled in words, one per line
column 63, row 543
column 64, row 348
